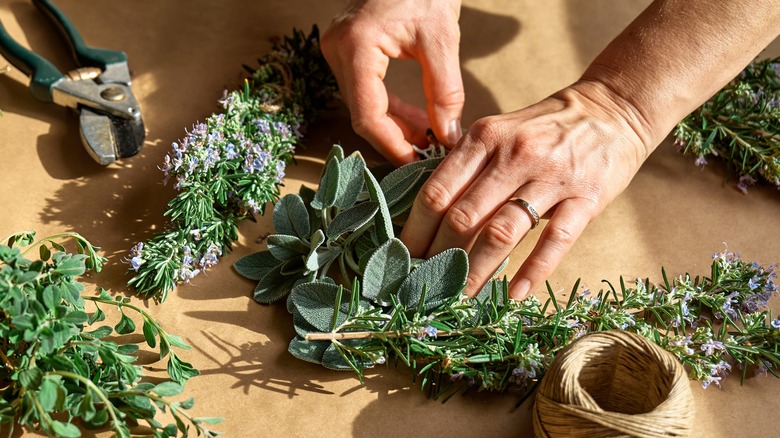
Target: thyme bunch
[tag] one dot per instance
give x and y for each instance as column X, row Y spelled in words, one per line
column 390, row 308
column 60, row 369
column 741, row 125
column 229, row 167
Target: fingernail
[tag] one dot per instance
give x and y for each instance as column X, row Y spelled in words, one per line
column 454, row 133
column 521, row 289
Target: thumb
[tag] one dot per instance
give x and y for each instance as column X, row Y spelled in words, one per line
column 443, row 86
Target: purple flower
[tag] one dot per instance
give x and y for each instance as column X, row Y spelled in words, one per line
column 429, row 331
column 711, row 379
column 263, row 126
column 280, row 166
column 775, row 324
column 230, row 151
column 753, row 283
column 226, row 99
column 710, row 346
column 136, row 250
column 136, row 263
column 701, row 161
column 745, row 181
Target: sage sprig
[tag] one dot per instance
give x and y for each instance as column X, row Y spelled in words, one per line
column 740, row 125
column 229, row 167
column 388, row 307
column 61, row 370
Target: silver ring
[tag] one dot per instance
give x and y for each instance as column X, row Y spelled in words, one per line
column 528, row 209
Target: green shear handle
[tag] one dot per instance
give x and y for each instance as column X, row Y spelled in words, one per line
column 43, row 74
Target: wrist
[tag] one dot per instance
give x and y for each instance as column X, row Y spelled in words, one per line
column 617, row 107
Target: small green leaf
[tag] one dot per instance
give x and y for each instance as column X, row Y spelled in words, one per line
column 76, row 317
column 312, row 261
column 150, row 333
column 65, row 430
column 329, row 186
column 44, row 252
column 71, row 266
column 167, row 389
column 310, row 351
column 284, row 247
column 291, row 217
column 30, row 378
column 179, row 370
column 125, row 325
column 444, row 275
column 210, row 420
column 177, row 342
column 385, row 271
column 351, row 175
column 384, row 224
column 352, row 218
column 47, row 394
column 255, row 266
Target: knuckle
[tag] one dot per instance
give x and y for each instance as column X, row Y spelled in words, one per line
column 434, row 196
column 363, row 125
column 451, row 98
column 560, row 236
column 460, row 220
column 501, row 234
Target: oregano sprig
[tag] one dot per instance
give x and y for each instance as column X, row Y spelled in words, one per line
column 60, row 370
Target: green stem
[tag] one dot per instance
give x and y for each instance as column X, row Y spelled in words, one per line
column 95, row 389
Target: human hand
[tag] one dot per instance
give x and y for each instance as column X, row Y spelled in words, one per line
column 568, row 156
column 358, row 47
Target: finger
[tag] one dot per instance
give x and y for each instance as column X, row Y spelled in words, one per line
column 442, row 189
column 478, row 203
column 565, row 226
column 443, row 84
column 502, row 232
column 412, row 120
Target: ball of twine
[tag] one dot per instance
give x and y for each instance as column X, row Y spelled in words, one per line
column 614, row 383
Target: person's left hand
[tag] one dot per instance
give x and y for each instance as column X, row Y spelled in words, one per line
column 567, row 156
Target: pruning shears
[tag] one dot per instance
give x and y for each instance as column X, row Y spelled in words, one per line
column 109, row 115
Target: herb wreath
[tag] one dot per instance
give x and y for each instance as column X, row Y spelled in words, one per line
column 57, row 371
column 397, row 308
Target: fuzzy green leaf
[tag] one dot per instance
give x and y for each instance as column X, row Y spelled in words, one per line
column 125, row 325
column 310, row 351
column 291, row 217
column 47, row 394
column 255, row 266
column 150, row 333
column 384, row 225
column 444, row 275
column 315, row 303
column 351, row 219
column 65, row 430
column 284, row 247
column 402, row 185
column 273, row 286
column 329, row 186
column 313, row 259
column 386, row 269
column 351, row 184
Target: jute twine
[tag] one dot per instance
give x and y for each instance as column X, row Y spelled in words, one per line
column 610, row 384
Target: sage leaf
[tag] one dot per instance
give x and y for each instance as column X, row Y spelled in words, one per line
column 384, row 225
column 273, row 286
column 315, row 303
column 329, row 186
column 284, row 247
column 310, row 351
column 312, row 260
column 402, row 185
column 291, row 217
column 351, row 219
column 385, row 270
column 444, row 275
column 307, row 195
column 351, row 184
column 336, row 152
column 255, row 266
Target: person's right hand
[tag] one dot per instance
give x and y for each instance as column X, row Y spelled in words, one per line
column 358, row 47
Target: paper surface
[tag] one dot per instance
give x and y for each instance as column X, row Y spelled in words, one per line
column 183, row 54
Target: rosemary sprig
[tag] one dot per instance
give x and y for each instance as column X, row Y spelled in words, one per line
column 59, row 369
column 229, row 167
column 741, row 125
